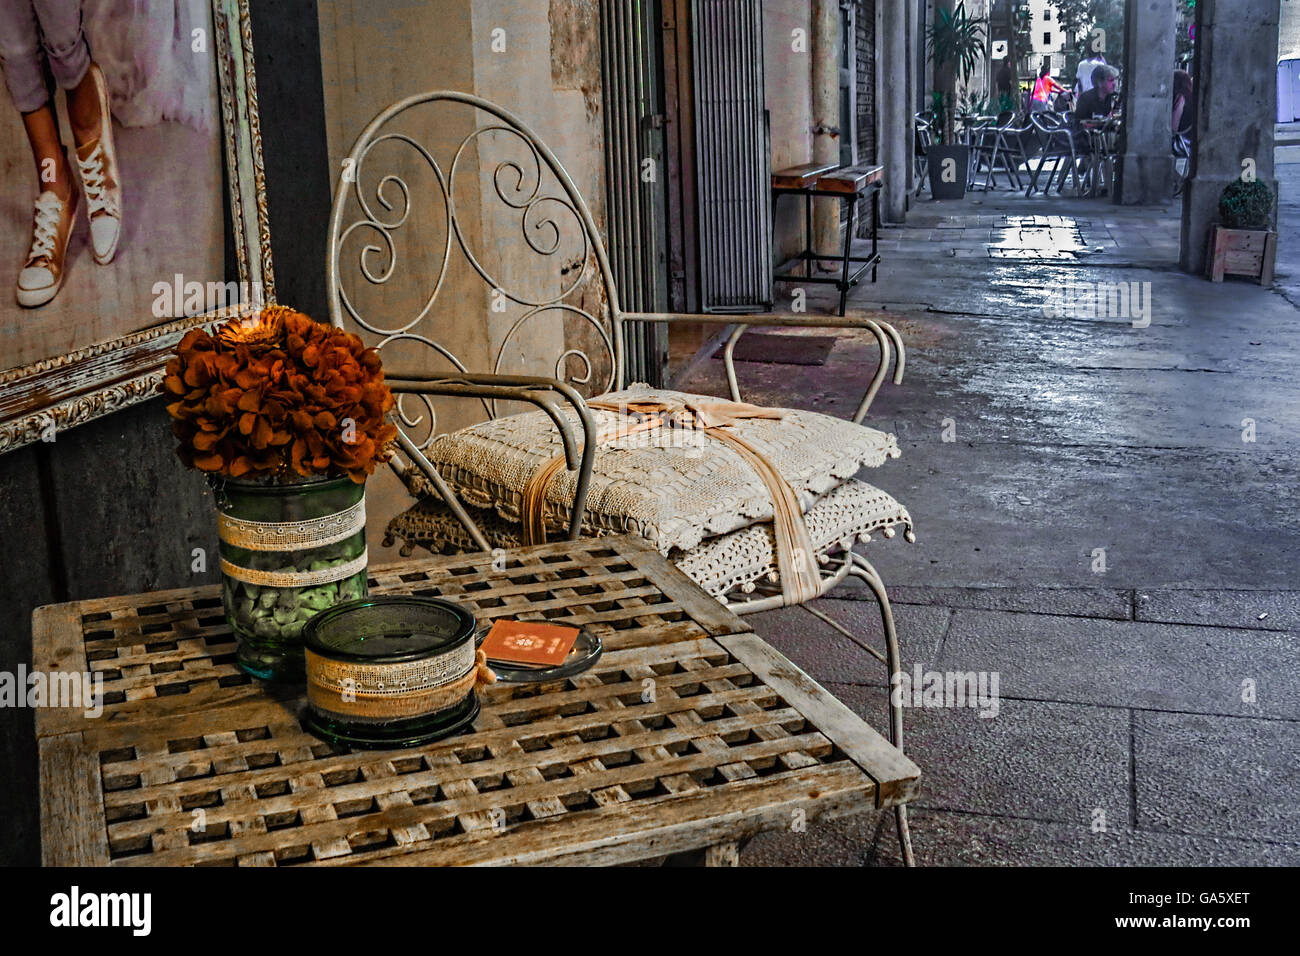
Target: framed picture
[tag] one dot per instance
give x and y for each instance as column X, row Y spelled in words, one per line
column 130, row 174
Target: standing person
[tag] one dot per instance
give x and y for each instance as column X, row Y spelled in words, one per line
column 1083, row 75
column 36, row 35
column 1003, row 79
column 1044, row 89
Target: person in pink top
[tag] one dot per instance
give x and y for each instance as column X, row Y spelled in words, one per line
column 1044, row 89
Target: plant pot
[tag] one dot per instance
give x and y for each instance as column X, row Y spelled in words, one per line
column 948, row 167
column 288, row 552
column 1241, row 252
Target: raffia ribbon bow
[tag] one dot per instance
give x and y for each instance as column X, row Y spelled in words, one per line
column 796, row 559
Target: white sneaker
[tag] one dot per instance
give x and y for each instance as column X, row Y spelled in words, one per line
column 41, row 276
column 97, row 161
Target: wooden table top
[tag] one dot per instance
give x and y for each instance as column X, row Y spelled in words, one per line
column 801, row 177
column 690, row 732
column 851, row 179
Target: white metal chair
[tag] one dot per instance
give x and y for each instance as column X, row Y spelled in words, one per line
column 517, row 171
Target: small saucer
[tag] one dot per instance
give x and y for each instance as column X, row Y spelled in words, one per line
column 586, row 650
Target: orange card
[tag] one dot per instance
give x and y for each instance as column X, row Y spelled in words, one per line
column 529, row 642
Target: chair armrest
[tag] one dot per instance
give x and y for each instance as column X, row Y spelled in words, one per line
column 874, row 322
column 534, row 390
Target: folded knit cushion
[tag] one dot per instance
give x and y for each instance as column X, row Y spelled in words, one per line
column 673, row 486
column 718, row 565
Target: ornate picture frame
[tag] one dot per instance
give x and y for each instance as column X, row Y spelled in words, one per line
column 41, row 399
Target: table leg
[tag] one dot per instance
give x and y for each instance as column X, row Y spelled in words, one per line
column 875, row 230
column 724, row 854
column 776, row 195
column 808, row 234
column 848, row 251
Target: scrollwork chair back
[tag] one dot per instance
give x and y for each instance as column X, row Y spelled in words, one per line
column 565, row 272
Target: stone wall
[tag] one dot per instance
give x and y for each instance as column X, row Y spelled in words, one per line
column 865, row 40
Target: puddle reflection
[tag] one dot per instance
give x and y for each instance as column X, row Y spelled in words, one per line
column 1037, row 237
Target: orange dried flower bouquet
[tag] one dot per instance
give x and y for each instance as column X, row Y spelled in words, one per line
column 276, row 396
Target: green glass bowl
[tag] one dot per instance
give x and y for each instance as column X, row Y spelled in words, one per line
column 387, row 653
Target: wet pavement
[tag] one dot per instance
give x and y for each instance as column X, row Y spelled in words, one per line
column 1102, row 457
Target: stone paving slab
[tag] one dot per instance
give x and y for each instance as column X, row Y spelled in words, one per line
column 1128, row 663
column 829, row 656
column 1079, row 602
column 1034, row 759
column 1226, row 776
column 957, row 839
column 1222, row 608
column 946, row 838
column 997, row 513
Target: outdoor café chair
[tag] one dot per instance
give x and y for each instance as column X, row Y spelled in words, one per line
column 1056, row 140
column 596, row 456
column 1001, row 143
column 924, row 137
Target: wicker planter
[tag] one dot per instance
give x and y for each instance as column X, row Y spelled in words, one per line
column 287, row 553
column 1241, row 252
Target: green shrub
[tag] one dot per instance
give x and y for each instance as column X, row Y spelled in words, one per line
column 1246, row 205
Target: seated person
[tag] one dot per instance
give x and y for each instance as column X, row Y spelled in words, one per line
column 1100, row 101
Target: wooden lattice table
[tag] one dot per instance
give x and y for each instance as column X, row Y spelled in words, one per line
column 690, row 733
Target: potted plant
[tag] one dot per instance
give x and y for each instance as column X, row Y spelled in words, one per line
column 287, row 418
column 954, row 43
column 1243, row 243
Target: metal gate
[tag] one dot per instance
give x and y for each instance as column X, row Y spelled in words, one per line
column 634, row 176
column 733, row 165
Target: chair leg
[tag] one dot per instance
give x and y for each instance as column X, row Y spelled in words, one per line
column 1051, row 176
column 1037, row 173
column 863, row 570
column 992, row 182
column 1018, row 159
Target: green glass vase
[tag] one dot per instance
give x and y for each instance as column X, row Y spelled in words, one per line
column 288, row 551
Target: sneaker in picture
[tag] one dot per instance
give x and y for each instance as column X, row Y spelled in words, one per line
column 41, row 276
column 97, row 161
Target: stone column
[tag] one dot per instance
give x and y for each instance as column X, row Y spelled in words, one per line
column 1146, row 168
column 1236, row 96
column 913, row 59
column 894, row 136
column 826, row 117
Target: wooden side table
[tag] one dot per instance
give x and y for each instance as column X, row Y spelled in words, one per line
column 850, row 185
column 690, row 733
